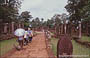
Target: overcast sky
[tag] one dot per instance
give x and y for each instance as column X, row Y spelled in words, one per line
column 44, row 8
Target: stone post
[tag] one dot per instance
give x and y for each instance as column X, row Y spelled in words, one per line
column 62, row 29
column 64, row 26
column 79, row 29
column 5, row 27
column 19, row 25
column 22, row 24
column 12, row 24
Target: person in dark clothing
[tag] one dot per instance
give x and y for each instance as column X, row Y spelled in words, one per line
column 30, row 34
column 20, row 40
column 26, row 38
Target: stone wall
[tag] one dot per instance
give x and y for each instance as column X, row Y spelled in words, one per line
column 7, row 29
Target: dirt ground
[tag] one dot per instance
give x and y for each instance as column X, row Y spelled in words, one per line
column 35, row 49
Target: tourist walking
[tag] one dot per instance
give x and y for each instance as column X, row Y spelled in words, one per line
column 20, row 33
column 30, row 34
column 26, row 38
column 20, row 40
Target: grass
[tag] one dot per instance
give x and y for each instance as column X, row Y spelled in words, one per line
column 54, row 42
column 80, row 49
column 85, row 38
column 6, row 45
column 77, row 48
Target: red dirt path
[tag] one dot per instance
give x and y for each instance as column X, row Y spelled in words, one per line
column 35, row 49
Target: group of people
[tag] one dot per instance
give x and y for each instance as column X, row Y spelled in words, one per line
column 27, row 38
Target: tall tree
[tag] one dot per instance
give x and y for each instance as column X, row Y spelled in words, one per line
column 78, row 11
column 26, row 16
column 9, row 10
column 36, row 22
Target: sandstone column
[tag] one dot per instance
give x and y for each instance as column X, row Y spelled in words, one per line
column 79, row 29
column 12, row 26
column 5, row 27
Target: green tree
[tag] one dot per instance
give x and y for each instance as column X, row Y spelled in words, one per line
column 9, row 10
column 36, row 23
column 26, row 16
column 77, row 9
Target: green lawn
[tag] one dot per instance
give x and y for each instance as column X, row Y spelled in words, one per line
column 6, row 45
column 85, row 38
column 77, row 48
column 54, row 42
column 80, row 49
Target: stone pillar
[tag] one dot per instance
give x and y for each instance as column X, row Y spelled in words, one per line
column 55, row 29
column 12, row 24
column 23, row 25
column 1, row 29
column 59, row 30
column 65, row 28
column 5, row 28
column 87, row 29
column 79, row 29
column 19, row 25
column 62, row 29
